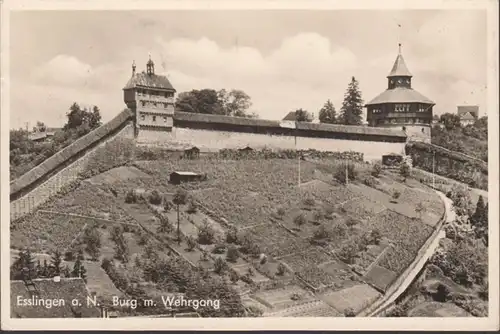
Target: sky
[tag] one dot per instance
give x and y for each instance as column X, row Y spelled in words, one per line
column 283, row 59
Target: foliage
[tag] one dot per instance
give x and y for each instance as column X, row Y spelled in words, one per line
column 466, row 262
column 377, row 169
column 395, row 195
column 26, row 154
column 340, row 172
column 92, row 240
column 79, row 269
column 191, row 243
column 281, row 269
column 206, row 234
column 349, row 312
column 300, row 220
column 113, row 154
column 121, row 246
column 302, row 115
column 352, row 107
column 220, row 266
column 131, row 197
column 192, row 208
column 209, row 101
column 450, row 121
column 404, row 170
column 328, row 114
column 462, row 201
column 232, row 254
column 232, row 235
column 155, row 198
column 23, row 265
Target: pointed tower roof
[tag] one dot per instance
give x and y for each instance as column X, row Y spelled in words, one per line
column 399, row 69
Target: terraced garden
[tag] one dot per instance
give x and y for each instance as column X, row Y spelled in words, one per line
column 345, row 234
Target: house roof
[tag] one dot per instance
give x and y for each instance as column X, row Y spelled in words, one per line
column 467, row 117
column 185, row 173
column 291, row 116
column 399, row 69
column 66, row 289
column 462, row 110
column 400, row 95
column 143, row 79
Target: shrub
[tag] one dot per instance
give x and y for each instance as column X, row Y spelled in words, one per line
column 219, row 249
column 321, row 233
column 131, row 197
column 232, row 235
column 249, row 247
column 395, row 195
column 309, row 201
column 233, row 275
column 300, row 220
column 155, row 198
column 442, row 293
column 340, row 173
column 350, row 222
column 281, row 212
column 220, row 266
column 232, row 254
column 377, row 169
column 375, row 237
column 192, row 208
column 206, row 235
column 371, row 181
column 167, row 206
column 191, row 243
column 349, row 312
column 281, row 269
column 69, row 256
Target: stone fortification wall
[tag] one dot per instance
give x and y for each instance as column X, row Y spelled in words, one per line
column 39, row 184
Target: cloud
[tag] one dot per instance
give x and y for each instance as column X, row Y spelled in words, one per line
column 303, row 71
column 63, row 70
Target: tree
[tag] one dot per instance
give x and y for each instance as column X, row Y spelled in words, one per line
column 232, row 254
column 419, row 209
column 450, row 121
column 22, row 266
column 56, row 263
column 78, row 268
column 395, row 195
column 404, row 170
column 302, row 115
column 235, row 103
column 205, row 101
column 328, row 114
column 300, row 220
column 352, row 107
column 180, row 198
column 40, row 127
column 480, row 214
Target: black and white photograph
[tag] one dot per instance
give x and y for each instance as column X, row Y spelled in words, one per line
column 278, row 163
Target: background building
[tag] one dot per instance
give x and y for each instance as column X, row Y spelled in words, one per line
column 468, row 114
column 401, row 106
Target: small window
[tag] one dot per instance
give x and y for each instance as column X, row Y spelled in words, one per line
column 165, row 119
column 404, row 128
column 143, row 117
column 154, row 118
column 423, row 130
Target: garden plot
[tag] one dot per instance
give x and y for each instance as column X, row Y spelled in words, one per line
column 355, row 297
column 312, row 255
column 118, row 174
column 46, row 232
column 407, row 235
column 276, row 241
column 243, row 268
column 282, row 298
column 380, row 277
column 342, row 275
column 370, row 256
column 316, row 308
column 90, row 200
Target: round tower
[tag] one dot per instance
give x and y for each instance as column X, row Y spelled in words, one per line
column 400, row 106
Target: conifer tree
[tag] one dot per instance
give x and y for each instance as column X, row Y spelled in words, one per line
column 56, row 262
column 352, row 107
column 328, row 114
column 480, row 214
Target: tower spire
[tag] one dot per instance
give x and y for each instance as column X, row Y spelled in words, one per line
column 133, row 67
column 399, row 45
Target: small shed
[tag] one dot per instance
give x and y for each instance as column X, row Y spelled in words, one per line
column 392, row 159
column 179, row 177
column 246, row 149
column 192, row 153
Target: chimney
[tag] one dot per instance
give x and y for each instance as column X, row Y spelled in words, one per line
column 57, row 278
